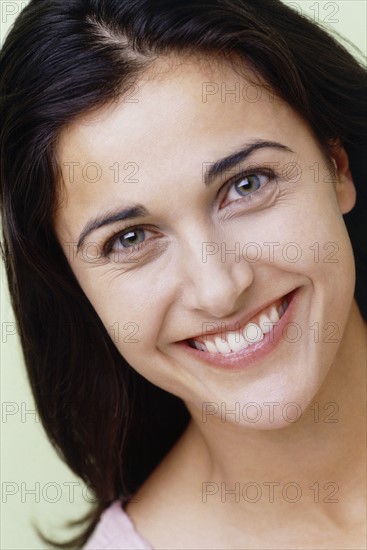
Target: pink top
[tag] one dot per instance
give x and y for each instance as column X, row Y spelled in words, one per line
column 115, row 531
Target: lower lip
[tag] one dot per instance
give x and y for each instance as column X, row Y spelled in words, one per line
column 254, row 353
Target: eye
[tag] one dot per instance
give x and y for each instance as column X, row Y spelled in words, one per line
column 248, row 184
column 245, row 185
column 127, row 241
column 132, row 237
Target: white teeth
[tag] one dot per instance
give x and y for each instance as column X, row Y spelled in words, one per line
column 253, row 333
column 265, row 323
column 211, row 347
column 236, row 341
column 274, row 316
column 222, row 346
column 199, row 346
column 250, row 334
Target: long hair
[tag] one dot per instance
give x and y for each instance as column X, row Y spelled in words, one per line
column 62, row 59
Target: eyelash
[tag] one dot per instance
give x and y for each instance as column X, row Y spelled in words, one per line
column 108, row 246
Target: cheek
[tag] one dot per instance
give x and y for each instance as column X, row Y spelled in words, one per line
column 131, row 308
column 303, row 232
column 310, row 239
column 321, row 243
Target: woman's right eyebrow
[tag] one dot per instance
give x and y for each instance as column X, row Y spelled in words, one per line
column 216, row 169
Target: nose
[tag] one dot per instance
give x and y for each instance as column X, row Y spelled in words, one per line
column 216, row 278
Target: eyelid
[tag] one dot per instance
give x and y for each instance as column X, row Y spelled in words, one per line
column 251, row 172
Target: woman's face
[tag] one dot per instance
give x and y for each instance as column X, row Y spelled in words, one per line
column 177, row 245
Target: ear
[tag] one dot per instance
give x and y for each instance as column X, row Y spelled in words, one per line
column 345, row 189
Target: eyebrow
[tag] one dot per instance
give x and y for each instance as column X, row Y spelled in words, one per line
column 216, row 169
column 136, row 211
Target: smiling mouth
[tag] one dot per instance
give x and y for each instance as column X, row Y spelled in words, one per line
column 230, row 342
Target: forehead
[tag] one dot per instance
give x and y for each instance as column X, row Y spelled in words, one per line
column 205, row 98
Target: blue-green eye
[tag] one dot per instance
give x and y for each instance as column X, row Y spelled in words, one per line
column 245, row 186
column 248, row 184
column 132, row 237
column 128, row 242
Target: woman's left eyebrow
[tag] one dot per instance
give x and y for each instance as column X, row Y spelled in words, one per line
column 225, row 164
column 136, row 211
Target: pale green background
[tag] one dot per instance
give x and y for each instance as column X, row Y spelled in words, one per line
column 26, row 456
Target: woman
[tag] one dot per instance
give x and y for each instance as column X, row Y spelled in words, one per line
column 182, row 194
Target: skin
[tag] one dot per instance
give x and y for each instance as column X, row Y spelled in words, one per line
column 169, row 133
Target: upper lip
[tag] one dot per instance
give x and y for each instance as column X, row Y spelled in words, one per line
column 232, row 326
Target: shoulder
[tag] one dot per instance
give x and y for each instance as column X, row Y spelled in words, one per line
column 115, row 530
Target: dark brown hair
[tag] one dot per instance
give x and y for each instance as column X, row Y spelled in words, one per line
column 63, row 58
